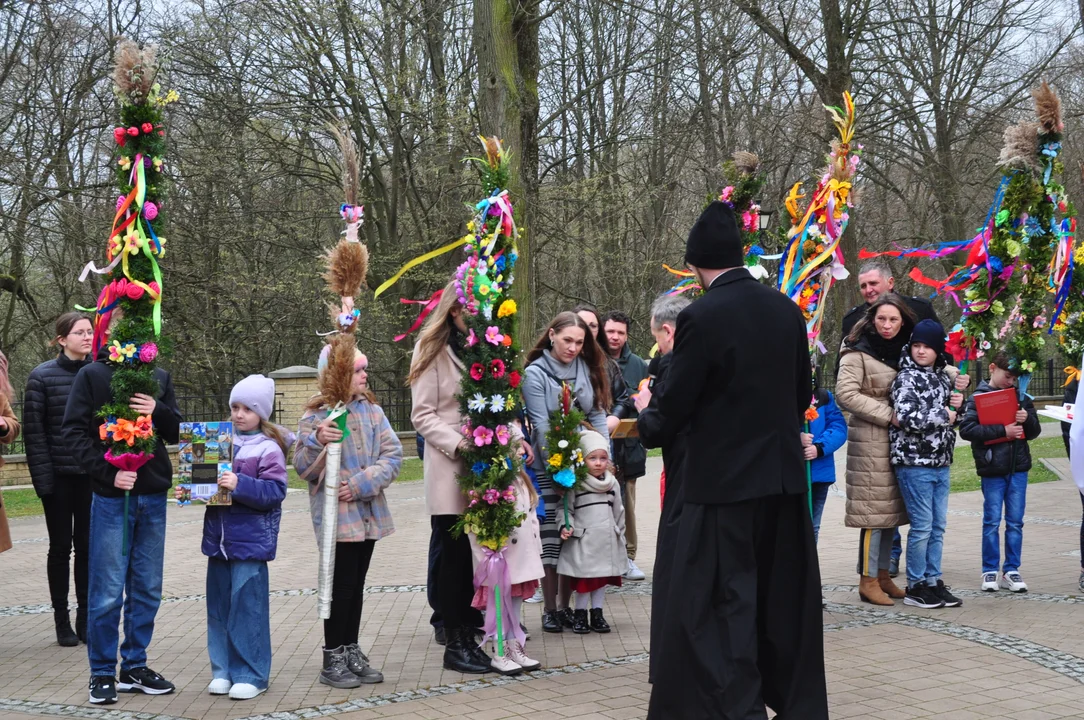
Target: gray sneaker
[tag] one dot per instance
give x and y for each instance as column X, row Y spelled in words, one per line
column 335, row 672
column 1081, row 583
column 358, row 663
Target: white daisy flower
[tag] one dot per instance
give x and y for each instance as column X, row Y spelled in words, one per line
column 497, row 403
column 477, row 403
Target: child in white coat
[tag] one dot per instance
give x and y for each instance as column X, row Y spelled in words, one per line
column 593, row 550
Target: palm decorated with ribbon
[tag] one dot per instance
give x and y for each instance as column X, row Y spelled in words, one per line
column 134, row 249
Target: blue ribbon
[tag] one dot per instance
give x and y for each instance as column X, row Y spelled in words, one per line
column 157, row 244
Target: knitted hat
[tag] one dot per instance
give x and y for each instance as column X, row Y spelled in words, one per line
column 714, row 242
column 257, row 393
column 591, row 441
column 930, row 333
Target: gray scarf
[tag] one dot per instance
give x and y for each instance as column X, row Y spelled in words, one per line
column 575, row 374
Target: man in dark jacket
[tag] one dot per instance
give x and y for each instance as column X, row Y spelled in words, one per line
column 656, row 432
column 133, row 581
column 743, row 629
column 629, row 455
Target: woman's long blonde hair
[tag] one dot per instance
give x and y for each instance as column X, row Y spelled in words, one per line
column 434, row 335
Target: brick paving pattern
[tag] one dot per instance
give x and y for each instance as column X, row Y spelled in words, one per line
column 998, row 656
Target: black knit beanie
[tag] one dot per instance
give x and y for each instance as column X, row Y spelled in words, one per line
column 714, row 242
column 931, row 334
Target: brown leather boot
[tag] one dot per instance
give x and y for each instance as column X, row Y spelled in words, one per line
column 890, row 588
column 870, row 591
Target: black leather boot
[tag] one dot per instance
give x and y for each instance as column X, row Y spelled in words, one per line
column 579, row 622
column 65, row 636
column 551, row 622
column 461, row 653
column 567, row 617
column 81, row 624
column 598, row 623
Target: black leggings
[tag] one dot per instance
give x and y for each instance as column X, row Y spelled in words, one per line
column 67, row 518
column 455, row 576
column 347, row 592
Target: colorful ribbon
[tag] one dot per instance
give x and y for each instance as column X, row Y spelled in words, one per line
column 429, row 304
column 493, row 573
column 1073, row 374
column 418, row 261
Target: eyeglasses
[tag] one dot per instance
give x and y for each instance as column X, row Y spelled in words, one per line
column 82, row 333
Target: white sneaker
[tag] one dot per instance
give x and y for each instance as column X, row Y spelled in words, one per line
column 537, row 597
column 505, row 665
column 515, row 652
column 634, row 573
column 989, row 582
column 1013, row 582
column 219, row 686
column 245, row 691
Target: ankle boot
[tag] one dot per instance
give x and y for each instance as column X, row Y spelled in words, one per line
column 890, row 588
column 81, row 624
column 870, row 591
column 460, row 655
column 598, row 623
column 357, row 662
column 335, row 672
column 579, row 622
column 65, row 636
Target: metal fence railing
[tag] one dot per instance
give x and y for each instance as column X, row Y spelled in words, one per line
column 1047, row 380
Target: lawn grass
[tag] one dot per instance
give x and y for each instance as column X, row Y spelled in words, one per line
column 964, row 479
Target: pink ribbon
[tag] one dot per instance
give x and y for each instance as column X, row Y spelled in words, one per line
column 492, row 573
column 430, row 304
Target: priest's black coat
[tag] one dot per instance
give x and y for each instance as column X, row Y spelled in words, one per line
column 741, row 625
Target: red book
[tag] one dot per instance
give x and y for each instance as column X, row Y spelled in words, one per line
column 997, row 408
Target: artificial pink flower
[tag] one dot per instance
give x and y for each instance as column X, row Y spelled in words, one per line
column 482, row 436
column 133, row 131
column 153, row 285
column 148, row 128
column 148, row 352
column 472, row 339
column 503, row 435
column 120, row 136
column 727, row 193
column 496, row 367
column 150, row 210
column 493, row 335
column 133, row 291
column 120, row 201
column 477, row 371
column 492, row 496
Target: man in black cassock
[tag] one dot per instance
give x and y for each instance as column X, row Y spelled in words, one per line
column 743, row 625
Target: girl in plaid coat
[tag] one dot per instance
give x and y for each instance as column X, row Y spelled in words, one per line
column 371, row 459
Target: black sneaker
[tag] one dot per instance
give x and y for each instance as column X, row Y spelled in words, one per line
column 103, row 690
column 144, row 680
column 942, row 592
column 921, row 595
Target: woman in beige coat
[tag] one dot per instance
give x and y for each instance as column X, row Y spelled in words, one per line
column 435, row 374
column 868, row 364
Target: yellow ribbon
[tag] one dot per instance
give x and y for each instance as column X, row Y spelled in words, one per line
column 418, row 261
column 1073, row 373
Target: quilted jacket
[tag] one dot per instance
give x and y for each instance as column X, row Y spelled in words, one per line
column 862, row 388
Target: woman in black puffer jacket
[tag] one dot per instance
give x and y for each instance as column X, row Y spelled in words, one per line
column 62, row 485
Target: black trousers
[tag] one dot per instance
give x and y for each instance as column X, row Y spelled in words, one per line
column 347, row 592
column 67, row 519
column 431, row 582
column 455, row 577
column 749, row 631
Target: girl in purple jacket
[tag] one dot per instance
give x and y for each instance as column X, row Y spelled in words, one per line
column 239, row 540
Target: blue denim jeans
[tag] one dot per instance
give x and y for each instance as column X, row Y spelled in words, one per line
column 132, row 581
column 925, row 491
column 1008, row 492
column 239, row 621
column 820, row 494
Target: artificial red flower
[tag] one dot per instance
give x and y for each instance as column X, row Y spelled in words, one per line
column 960, row 347
column 514, row 378
column 133, row 131
column 477, row 371
column 133, row 291
column 496, row 367
column 120, row 136
column 148, row 128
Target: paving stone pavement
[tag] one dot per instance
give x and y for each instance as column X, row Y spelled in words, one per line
column 998, row 656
